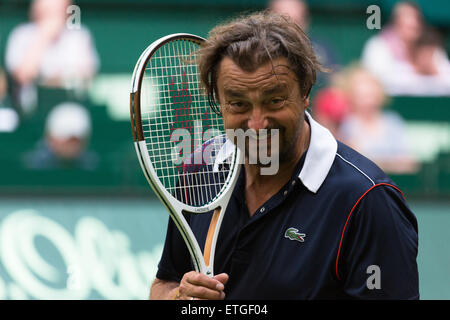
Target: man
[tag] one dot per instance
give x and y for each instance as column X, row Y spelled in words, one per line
column 66, row 141
column 328, row 225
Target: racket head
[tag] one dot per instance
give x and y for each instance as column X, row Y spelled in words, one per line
column 171, row 113
column 167, row 106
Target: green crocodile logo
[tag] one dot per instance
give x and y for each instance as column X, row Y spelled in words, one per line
column 293, row 234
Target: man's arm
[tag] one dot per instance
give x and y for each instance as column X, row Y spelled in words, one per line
column 163, row 290
column 380, row 248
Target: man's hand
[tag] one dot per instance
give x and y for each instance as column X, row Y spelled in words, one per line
column 195, row 285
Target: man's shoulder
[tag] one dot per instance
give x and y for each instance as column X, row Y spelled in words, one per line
column 351, row 179
column 354, row 173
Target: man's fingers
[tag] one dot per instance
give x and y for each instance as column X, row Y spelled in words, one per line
column 189, row 291
column 200, row 286
column 199, row 279
column 222, row 278
column 206, row 293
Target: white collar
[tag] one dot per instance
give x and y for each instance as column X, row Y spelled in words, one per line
column 319, row 157
column 318, row 161
column 224, row 153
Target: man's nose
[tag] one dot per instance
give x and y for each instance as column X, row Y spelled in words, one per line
column 258, row 119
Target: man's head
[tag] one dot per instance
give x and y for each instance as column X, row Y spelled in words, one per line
column 254, row 40
column 67, row 130
column 260, row 69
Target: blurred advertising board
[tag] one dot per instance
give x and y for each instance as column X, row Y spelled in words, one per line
column 79, row 248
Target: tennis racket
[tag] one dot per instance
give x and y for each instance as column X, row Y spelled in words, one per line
column 180, row 142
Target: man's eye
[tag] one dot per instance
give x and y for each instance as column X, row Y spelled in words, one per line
column 277, row 102
column 236, row 104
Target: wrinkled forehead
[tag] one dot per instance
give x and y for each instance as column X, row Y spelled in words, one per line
column 270, row 73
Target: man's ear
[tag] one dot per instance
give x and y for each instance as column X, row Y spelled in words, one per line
column 306, row 102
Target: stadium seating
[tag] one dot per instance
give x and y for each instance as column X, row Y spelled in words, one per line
column 122, row 30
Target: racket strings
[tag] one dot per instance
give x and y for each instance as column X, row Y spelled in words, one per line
column 182, row 133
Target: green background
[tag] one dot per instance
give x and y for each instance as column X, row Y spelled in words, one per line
column 123, row 29
column 116, row 196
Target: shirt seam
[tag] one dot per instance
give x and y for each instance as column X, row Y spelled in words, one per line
column 356, row 167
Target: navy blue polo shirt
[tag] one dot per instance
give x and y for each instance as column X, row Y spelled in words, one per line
column 339, row 229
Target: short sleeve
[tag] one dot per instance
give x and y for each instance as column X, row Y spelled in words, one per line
column 175, row 260
column 380, row 248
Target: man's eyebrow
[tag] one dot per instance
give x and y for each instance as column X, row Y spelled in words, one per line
column 233, row 92
column 271, row 89
column 278, row 88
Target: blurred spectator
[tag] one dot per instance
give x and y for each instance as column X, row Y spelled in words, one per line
column 298, row 11
column 379, row 135
column 67, row 135
column 397, row 55
column 9, row 119
column 431, row 65
column 330, row 107
column 46, row 51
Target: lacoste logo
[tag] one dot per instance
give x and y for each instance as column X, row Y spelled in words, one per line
column 293, row 234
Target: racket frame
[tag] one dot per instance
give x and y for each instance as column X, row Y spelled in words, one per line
column 175, row 207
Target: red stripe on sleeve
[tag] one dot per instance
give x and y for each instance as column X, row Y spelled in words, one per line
column 350, row 214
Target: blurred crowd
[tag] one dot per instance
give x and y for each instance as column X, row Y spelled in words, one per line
column 408, row 56
column 50, row 52
column 405, row 57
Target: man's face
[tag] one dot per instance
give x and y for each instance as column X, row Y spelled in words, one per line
column 66, row 148
column 267, row 98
